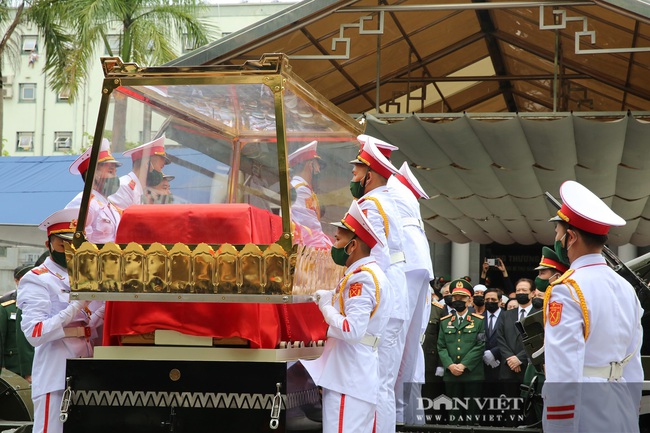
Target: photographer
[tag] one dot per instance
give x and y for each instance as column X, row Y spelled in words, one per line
column 496, row 263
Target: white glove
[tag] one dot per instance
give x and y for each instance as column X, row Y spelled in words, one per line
column 71, row 310
column 324, row 297
column 495, row 364
column 97, row 318
column 440, row 371
column 488, row 357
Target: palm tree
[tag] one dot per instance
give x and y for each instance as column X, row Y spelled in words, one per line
column 50, row 19
column 148, row 29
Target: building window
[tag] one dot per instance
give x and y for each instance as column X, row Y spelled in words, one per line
column 189, row 44
column 63, row 96
column 27, row 92
column 25, row 141
column 113, row 48
column 62, row 141
column 29, row 43
column 3, row 251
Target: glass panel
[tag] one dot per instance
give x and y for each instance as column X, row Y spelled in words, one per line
column 221, row 147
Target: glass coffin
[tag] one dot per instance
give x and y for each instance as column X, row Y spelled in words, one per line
column 212, row 184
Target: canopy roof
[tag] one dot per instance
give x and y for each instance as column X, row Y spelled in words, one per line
column 505, row 51
column 418, row 65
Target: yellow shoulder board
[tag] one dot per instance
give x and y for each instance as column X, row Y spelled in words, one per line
column 438, row 304
column 446, row 317
column 9, row 302
column 564, row 276
column 477, row 316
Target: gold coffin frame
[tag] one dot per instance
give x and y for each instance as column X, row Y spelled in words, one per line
column 204, row 273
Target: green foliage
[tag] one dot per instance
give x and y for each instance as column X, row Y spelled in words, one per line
column 148, row 29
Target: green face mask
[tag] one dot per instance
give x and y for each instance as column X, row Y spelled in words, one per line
column 561, row 250
column 339, row 255
column 541, row 284
column 356, row 189
column 110, row 187
column 154, row 178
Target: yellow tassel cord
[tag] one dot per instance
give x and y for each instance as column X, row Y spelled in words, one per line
column 381, row 212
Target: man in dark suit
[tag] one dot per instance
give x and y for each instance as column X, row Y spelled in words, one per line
column 513, row 354
column 493, row 315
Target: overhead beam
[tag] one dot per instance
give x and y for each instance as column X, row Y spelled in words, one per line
column 488, row 28
column 463, row 6
column 578, row 67
column 468, row 78
column 419, row 58
column 367, row 87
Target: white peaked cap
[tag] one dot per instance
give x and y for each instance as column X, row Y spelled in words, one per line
column 355, row 221
column 407, row 178
column 80, row 165
column 582, row 209
column 384, row 147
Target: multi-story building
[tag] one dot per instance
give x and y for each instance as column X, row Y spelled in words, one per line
column 40, row 122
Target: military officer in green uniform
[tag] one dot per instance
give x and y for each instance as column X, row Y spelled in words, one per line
column 9, row 327
column 461, row 344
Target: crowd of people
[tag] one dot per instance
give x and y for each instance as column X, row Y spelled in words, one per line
column 396, row 350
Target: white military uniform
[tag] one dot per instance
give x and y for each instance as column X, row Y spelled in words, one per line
column 577, row 394
column 102, row 219
column 348, row 369
column 305, row 212
column 381, row 211
column 418, row 270
column 129, row 193
column 47, row 317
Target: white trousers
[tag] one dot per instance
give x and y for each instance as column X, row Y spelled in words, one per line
column 47, row 408
column 343, row 413
column 411, row 369
column 390, row 351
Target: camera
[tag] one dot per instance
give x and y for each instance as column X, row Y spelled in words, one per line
column 491, row 262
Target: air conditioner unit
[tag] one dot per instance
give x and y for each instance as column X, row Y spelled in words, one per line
column 62, row 143
column 7, row 92
column 8, row 80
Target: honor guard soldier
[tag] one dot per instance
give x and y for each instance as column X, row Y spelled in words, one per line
column 57, row 328
column 370, row 173
column 357, row 313
column 550, row 269
column 148, row 161
column 306, row 165
column 592, row 326
column 406, row 190
column 418, row 270
column 461, row 344
column 103, row 217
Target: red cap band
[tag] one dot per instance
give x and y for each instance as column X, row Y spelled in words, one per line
column 549, row 263
column 407, row 184
column 582, row 223
column 154, row 150
column 64, row 227
column 375, row 165
column 356, row 227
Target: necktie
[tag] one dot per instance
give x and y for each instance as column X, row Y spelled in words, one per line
column 491, row 324
column 522, row 313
